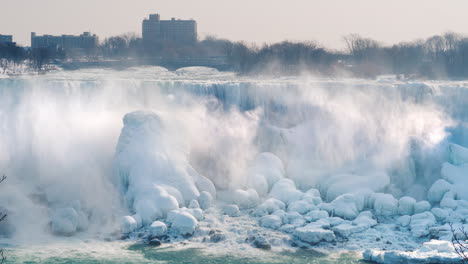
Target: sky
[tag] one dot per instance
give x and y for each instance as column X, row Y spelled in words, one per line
column 260, row 21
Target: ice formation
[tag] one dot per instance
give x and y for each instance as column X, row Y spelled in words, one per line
column 321, row 162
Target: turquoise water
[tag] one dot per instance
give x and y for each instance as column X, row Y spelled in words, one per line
column 133, row 254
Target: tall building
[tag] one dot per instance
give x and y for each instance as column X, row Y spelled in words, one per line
column 6, row 38
column 83, row 41
column 174, row 31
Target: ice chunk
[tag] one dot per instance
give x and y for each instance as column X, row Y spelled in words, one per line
column 183, row 222
column 406, row 205
column 313, row 234
column 158, row 229
column 385, row 204
column 439, row 246
column 271, row 221
column 128, row 224
column 205, row 200
column 245, row 199
column 448, row 201
column 437, row 190
column 422, row 206
column 285, row 191
column 457, row 175
column 154, row 202
column 64, row 221
column 232, row 210
column 420, row 223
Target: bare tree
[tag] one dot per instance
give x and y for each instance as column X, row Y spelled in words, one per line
column 459, row 242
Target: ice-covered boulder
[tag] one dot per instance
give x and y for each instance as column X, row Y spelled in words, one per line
column 422, row 206
column 344, row 206
column 313, row 234
column 458, row 155
column 439, row 246
column 205, row 200
column 157, row 229
column 152, row 169
column 437, row 190
column 420, row 224
column 301, row 206
column 404, row 220
column 269, row 206
column 194, row 204
column 128, row 224
column 385, row 204
column 285, row 191
column 293, row 218
column 345, row 230
column 244, row 199
column 271, row 221
column 266, row 170
column 315, row 215
column 365, row 219
column 448, row 200
column 406, row 205
column 64, row 221
column 440, row 214
column 231, row 210
column 456, row 175
column 183, row 222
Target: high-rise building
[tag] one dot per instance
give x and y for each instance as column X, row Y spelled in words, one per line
column 6, row 38
column 83, row 41
column 174, row 31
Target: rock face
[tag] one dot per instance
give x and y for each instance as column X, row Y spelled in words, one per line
column 313, row 234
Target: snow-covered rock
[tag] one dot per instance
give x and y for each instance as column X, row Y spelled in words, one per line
column 345, row 230
column 285, row 191
column 269, row 206
column 194, row 204
column 293, row 218
column 301, row 206
column 231, row 210
column 245, row 199
column 344, row 206
column 458, row 155
column 440, row 214
column 271, row 221
column 365, row 219
column 157, row 229
column 420, row 223
column 64, row 221
column 205, row 200
column 437, row 190
column 422, row 206
column 404, row 220
column 183, row 222
column 128, row 224
column 406, row 205
column 313, row 234
column 315, row 215
column 385, row 204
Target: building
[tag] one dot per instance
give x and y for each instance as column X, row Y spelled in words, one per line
column 83, row 41
column 175, row 31
column 6, row 39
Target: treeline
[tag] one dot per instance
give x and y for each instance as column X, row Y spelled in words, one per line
column 440, row 56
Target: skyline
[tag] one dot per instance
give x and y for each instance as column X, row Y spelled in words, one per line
column 325, row 22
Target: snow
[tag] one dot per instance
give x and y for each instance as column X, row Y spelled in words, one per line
column 158, row 229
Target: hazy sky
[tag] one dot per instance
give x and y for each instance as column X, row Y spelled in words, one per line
column 325, row 21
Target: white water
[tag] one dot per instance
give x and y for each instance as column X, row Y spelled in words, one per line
column 59, row 135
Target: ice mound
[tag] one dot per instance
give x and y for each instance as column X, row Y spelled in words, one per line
column 152, row 168
column 313, row 234
column 434, row 251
